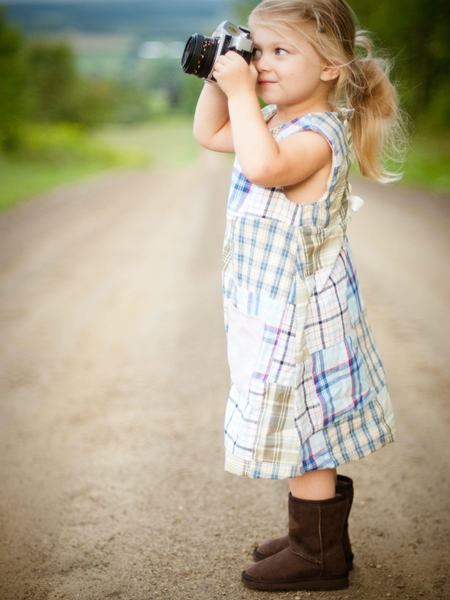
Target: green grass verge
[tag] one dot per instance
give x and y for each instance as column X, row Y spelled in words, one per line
column 52, row 155
column 167, row 142
column 23, row 179
column 427, row 162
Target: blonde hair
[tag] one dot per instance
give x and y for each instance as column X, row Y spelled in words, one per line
column 378, row 123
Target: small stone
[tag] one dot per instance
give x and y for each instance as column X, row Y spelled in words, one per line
column 378, row 566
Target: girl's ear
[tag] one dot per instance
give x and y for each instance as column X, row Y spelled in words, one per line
column 329, row 72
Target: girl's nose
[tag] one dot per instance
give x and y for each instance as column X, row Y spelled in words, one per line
column 262, row 64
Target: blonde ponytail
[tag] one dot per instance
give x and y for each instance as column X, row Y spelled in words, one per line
column 378, row 126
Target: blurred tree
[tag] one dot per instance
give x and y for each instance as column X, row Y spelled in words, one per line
column 416, row 34
column 129, row 103
column 60, row 94
column 190, row 90
column 53, row 81
column 164, row 77
column 14, row 103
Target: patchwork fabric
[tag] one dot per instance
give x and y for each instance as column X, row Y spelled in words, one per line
column 308, row 388
column 264, row 255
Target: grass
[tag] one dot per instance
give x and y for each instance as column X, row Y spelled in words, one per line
column 167, row 142
column 427, row 162
column 58, row 154
column 22, row 179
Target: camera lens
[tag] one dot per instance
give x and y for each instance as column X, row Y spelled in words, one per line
column 198, row 55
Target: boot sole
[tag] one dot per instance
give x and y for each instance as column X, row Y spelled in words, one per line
column 313, row 583
column 257, row 556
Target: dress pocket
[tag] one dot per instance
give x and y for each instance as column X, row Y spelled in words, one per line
column 333, row 383
column 244, row 339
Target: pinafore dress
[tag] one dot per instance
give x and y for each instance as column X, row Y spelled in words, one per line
column 307, row 385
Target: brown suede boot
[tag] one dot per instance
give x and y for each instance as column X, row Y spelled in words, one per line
column 314, row 559
column 344, row 486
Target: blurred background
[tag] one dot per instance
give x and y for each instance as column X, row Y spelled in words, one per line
column 94, row 84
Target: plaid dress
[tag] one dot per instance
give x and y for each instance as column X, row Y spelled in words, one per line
column 307, row 384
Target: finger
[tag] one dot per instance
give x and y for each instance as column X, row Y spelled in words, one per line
column 234, row 55
column 230, row 55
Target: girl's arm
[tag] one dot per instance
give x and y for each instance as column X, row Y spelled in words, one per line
column 263, row 160
column 212, row 128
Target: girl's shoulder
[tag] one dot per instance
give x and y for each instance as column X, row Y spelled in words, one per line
column 330, row 122
column 334, row 126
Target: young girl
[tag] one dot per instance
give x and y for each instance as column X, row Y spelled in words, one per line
column 308, row 389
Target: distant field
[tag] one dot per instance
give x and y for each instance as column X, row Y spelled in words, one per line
column 154, row 19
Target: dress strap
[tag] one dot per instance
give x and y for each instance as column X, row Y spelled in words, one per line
column 268, row 111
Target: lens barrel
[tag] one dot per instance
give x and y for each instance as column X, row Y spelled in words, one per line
column 198, row 56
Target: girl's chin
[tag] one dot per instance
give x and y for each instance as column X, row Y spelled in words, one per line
column 265, row 89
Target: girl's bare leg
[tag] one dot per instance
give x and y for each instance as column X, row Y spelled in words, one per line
column 314, row 485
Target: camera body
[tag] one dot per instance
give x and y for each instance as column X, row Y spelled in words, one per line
column 201, row 52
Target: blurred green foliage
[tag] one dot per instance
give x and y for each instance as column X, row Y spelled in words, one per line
column 416, row 34
column 65, row 143
column 166, row 140
column 41, row 84
column 14, row 105
column 55, row 153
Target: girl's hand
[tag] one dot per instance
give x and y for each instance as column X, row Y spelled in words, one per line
column 233, row 74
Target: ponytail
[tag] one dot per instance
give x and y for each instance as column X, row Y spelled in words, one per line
column 378, row 129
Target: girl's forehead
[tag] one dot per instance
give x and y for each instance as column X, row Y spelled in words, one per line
column 265, row 36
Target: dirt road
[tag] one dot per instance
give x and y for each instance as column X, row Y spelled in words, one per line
column 113, row 381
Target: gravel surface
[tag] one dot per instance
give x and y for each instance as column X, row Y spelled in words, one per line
column 113, row 382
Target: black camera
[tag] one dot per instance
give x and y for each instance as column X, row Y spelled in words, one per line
column 201, row 52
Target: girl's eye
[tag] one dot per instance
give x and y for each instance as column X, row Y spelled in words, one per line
column 255, row 50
